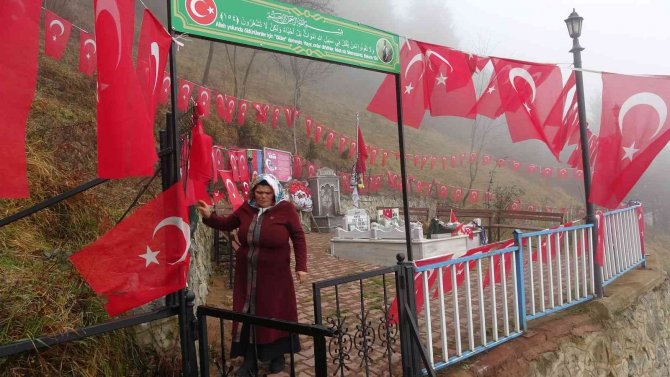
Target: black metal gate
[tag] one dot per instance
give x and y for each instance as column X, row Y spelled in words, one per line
column 375, row 328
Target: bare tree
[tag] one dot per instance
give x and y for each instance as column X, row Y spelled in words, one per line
column 303, row 70
column 482, row 130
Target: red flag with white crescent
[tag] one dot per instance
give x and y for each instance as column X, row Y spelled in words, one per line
column 262, row 112
column 184, row 95
column 242, row 108
column 308, row 126
column 87, row 53
column 330, row 137
column 152, row 55
column 385, row 157
column 56, row 34
column 414, row 104
column 143, row 258
column 234, row 197
column 166, row 89
column 126, row 145
column 204, row 101
column 19, row 43
column 276, row 112
column 342, row 145
column 450, row 90
column 318, row 133
column 633, row 131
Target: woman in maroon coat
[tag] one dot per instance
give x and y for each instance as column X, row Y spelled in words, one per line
column 263, row 281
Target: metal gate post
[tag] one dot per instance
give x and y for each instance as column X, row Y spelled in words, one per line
column 405, row 293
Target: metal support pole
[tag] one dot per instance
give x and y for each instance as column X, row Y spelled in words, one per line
column 586, row 162
column 170, row 174
column 403, row 168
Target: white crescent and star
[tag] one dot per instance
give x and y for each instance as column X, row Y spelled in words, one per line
column 204, row 93
column 60, row 25
column 642, row 98
column 415, row 59
column 187, row 88
column 526, row 76
column 112, row 8
column 168, row 83
column 232, row 190
column 150, row 255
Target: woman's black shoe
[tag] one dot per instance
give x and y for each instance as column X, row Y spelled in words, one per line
column 277, row 364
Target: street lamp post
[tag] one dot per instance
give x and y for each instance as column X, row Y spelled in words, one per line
column 574, row 24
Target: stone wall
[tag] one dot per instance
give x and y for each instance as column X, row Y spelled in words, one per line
column 634, row 342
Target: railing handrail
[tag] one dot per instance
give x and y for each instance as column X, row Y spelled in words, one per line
column 450, row 262
column 554, row 230
column 85, row 332
column 293, row 327
column 355, row 277
column 615, row 211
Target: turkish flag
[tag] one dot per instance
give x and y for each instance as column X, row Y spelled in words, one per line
column 547, row 172
column 448, row 81
column 152, row 55
column 218, row 161
column 243, row 166
column 489, row 103
column 373, row 156
column 390, row 180
column 579, row 174
column 634, row 129
column 234, row 166
column 433, row 161
column 200, row 157
column 290, row 114
column 308, row 126
column 563, row 118
column 242, row 108
column 276, row 111
column 442, row 191
column 262, row 112
column 412, row 68
column 528, row 93
column 341, row 145
column 473, row 157
column 318, row 133
column 142, row 258
column 473, row 196
column 204, row 101
column 424, row 161
column 297, row 167
column 385, row 157
column 184, row 96
column 500, row 162
column 477, row 63
column 165, row 89
column 352, row 149
column 126, row 145
column 56, row 34
column 457, row 194
column 330, row 137
column 225, row 107
column 234, row 197
column 516, row 165
column 562, row 173
column 486, row 159
column 19, row 43
column 87, row 53
column 531, row 168
column 445, row 161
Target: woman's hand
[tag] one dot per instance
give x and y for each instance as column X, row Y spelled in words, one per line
column 204, row 209
column 302, row 276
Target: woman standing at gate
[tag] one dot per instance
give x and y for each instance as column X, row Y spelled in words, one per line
column 263, row 281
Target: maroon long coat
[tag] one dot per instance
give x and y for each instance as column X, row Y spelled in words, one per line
column 263, row 281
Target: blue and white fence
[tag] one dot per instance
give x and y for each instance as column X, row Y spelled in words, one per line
column 473, row 303
column 622, row 242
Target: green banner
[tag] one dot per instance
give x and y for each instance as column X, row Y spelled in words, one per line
column 286, row 28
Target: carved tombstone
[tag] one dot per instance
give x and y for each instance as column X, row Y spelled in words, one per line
column 325, row 187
